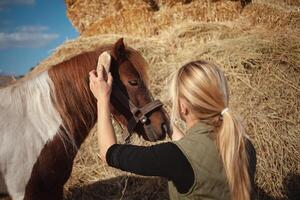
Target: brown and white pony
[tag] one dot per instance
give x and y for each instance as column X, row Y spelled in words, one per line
column 45, row 119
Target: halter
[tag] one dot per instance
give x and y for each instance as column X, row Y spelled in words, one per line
column 139, row 115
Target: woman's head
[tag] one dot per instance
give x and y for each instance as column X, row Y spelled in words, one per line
column 199, row 90
column 199, row 87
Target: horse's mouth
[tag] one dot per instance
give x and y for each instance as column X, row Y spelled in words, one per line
column 152, row 135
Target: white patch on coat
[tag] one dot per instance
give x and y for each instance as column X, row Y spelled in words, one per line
column 28, row 120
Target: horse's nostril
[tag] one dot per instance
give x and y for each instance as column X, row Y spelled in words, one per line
column 164, row 128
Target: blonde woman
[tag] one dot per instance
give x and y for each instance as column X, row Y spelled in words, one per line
column 214, row 159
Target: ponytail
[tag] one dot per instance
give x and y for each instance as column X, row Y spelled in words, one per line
column 232, row 148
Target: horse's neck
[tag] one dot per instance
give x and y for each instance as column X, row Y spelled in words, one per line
column 36, row 108
column 74, row 102
column 27, row 110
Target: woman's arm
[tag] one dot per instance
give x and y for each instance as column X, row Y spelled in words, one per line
column 164, row 160
column 100, row 85
column 105, row 131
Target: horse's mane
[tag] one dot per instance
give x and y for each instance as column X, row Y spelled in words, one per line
column 134, row 56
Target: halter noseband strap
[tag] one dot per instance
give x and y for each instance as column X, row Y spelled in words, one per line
column 139, row 115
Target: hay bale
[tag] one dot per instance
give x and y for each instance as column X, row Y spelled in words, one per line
column 140, row 21
column 196, row 11
column 83, row 13
column 145, row 18
column 132, row 20
column 106, row 16
column 284, row 3
column 272, row 16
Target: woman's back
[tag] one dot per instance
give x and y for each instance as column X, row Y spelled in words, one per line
column 210, row 178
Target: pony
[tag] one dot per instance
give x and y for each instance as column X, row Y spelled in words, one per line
column 45, row 118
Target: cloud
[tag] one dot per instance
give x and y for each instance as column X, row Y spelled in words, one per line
column 4, row 3
column 27, row 37
column 33, row 28
column 3, row 73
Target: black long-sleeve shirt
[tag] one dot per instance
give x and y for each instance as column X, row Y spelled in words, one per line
column 164, row 160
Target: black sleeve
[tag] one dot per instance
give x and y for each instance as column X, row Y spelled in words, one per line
column 165, row 160
column 252, row 166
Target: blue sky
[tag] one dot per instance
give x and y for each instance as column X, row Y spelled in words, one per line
column 29, row 31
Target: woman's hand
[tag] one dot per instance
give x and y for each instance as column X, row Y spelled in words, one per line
column 101, row 85
column 101, row 80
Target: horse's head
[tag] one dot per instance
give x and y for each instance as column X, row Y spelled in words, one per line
column 131, row 102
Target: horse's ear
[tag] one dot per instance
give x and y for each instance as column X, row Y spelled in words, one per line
column 119, row 50
column 104, row 60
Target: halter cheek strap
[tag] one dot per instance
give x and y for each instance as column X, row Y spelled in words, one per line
column 139, row 115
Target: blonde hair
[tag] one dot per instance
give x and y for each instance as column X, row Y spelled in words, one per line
column 204, row 87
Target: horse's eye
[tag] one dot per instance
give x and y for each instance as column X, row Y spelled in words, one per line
column 133, row 82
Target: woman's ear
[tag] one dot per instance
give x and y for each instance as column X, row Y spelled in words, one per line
column 184, row 111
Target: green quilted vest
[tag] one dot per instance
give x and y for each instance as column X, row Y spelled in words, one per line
column 201, row 151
